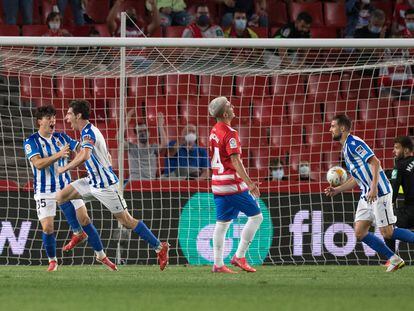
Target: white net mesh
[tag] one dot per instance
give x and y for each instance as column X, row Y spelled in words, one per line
column 284, row 100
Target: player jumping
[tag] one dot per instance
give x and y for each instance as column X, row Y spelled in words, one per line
column 375, row 203
column 233, row 190
column 102, row 183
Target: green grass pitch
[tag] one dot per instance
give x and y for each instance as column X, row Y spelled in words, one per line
column 196, row 288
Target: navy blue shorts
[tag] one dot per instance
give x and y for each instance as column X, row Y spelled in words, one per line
column 229, row 206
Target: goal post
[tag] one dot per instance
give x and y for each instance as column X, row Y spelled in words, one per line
column 285, row 92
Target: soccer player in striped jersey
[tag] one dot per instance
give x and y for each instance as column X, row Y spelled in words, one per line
column 46, row 151
column 375, row 203
column 233, row 190
column 102, row 183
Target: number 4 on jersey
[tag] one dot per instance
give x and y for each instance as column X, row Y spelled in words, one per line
column 216, row 162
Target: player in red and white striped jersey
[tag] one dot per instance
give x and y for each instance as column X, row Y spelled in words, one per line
column 233, row 190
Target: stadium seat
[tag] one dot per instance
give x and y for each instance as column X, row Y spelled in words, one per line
column 251, row 136
column 386, row 157
column 105, row 88
column 73, row 88
column 195, row 111
column 404, row 113
column 258, row 174
column 303, row 153
column 34, row 30
column 353, row 86
column 203, row 136
column 35, row 87
column 265, row 113
column 300, row 111
column 322, row 87
column 285, row 137
column 9, row 30
column 8, row 185
column 247, row 86
column 276, row 13
column 153, row 106
column 241, row 110
column 79, row 31
column 384, row 137
column 215, row 86
column 323, row 32
column 335, row 14
column 287, row 86
column 332, row 158
column 259, row 157
column 262, row 32
column 102, row 29
column 365, row 131
column 145, row 86
column 316, row 134
column 313, row 8
column 333, row 108
column 174, row 31
column 180, row 85
column 379, row 111
column 97, row 10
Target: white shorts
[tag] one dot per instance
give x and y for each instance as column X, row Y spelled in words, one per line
column 46, row 204
column 380, row 212
column 108, row 196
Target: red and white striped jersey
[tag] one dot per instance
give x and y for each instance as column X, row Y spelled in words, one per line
column 224, row 141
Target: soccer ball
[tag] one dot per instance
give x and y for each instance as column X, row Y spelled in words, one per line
column 336, row 176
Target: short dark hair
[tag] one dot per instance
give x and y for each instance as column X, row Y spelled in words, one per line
column 51, row 16
column 304, row 16
column 343, row 120
column 82, row 107
column 201, row 5
column 409, row 11
column 45, row 111
column 240, row 10
column 405, row 142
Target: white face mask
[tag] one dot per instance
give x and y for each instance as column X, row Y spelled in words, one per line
column 366, row 1
column 190, row 138
column 240, row 24
column 304, row 171
column 278, row 174
column 54, row 25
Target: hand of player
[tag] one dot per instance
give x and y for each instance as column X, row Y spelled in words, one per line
column 372, row 195
column 331, row 191
column 254, row 190
column 61, row 170
column 64, row 152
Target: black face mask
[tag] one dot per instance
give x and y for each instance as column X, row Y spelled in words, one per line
column 203, row 20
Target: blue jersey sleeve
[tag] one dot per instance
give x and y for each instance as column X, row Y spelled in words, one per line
column 88, row 139
column 360, row 149
column 73, row 143
column 30, row 148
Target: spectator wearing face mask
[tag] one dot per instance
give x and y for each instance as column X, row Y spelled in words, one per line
column 143, row 156
column 255, row 10
column 277, row 172
column 239, row 28
column 203, row 26
column 398, row 20
column 304, row 171
column 54, row 22
column 172, row 12
column 408, row 31
column 376, row 27
column 358, row 13
column 134, row 23
column 185, row 158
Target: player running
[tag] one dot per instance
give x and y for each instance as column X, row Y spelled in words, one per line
column 46, row 151
column 102, row 183
column 233, row 190
column 375, row 203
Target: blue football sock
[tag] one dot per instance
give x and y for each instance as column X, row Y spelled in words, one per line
column 49, row 243
column 142, row 230
column 403, row 235
column 377, row 245
column 93, row 237
column 70, row 214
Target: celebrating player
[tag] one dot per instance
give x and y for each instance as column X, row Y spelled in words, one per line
column 101, row 183
column 47, row 151
column 233, row 190
column 375, row 204
column 403, row 176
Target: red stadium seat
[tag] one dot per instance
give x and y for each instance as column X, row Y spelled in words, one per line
column 265, row 113
column 79, row 31
column 404, row 113
column 203, row 135
column 215, row 86
column 252, row 86
column 323, row 32
column 356, row 87
column 105, row 88
column 316, row 134
column 34, row 30
column 35, row 87
column 174, row 31
column 241, row 110
column 251, row 136
column 97, row 10
column 259, row 157
column 302, row 112
column 313, row 8
column 365, row 131
column 287, row 86
column 286, row 137
column 261, row 32
column 384, row 138
column 102, row 29
column 180, row 85
column 333, row 108
column 335, row 14
column 379, row 111
column 9, row 30
column 258, row 174
column 386, row 158
column 73, row 88
column 145, row 86
column 332, row 158
column 195, row 111
column 322, row 88
column 277, row 13
column 153, row 106
column 8, row 185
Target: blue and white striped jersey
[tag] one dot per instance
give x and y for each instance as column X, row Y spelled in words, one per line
column 99, row 167
column 47, row 180
column 357, row 153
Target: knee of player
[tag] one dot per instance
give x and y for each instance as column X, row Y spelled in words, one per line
column 84, row 220
column 387, row 232
column 360, row 234
column 257, row 218
column 48, row 229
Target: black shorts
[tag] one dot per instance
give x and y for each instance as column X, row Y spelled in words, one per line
column 405, row 217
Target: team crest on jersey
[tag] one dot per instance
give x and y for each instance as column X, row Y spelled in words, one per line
column 28, row 149
column 361, row 151
column 59, row 144
column 233, row 143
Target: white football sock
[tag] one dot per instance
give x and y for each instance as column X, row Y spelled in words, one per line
column 219, row 235
column 247, row 234
column 101, row 254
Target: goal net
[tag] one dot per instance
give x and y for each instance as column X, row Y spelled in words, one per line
column 285, row 94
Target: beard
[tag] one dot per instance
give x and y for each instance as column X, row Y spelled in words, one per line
column 337, row 137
